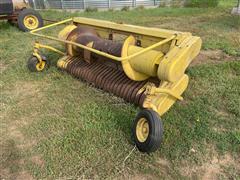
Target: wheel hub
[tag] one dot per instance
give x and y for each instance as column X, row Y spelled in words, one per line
column 40, row 66
column 31, row 22
column 142, row 130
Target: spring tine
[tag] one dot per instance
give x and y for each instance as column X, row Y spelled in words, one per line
column 92, row 74
column 135, row 91
column 73, row 67
column 118, row 85
column 142, row 98
column 113, row 79
column 101, row 81
column 115, row 82
column 107, row 78
column 129, row 96
column 121, row 86
column 90, row 71
column 98, row 71
column 85, row 71
column 126, row 86
column 79, row 70
column 100, row 76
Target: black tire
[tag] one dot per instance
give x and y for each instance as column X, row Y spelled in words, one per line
column 28, row 12
column 32, row 64
column 154, row 138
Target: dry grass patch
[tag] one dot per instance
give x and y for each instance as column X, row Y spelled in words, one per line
column 38, row 160
column 211, row 168
column 3, row 67
column 212, row 56
column 24, row 97
column 6, row 175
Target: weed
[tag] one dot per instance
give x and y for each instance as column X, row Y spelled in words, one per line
column 201, row 3
column 91, row 9
column 111, row 10
column 125, row 8
column 140, row 7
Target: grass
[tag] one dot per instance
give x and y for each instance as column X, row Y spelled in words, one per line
column 53, row 126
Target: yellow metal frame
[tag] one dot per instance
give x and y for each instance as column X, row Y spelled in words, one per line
column 38, row 46
column 161, row 98
column 33, row 32
column 183, row 47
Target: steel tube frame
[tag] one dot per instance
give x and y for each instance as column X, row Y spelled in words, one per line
column 33, row 32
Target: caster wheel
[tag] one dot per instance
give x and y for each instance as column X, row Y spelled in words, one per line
column 35, row 66
column 147, row 131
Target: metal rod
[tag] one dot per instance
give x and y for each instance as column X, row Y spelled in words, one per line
column 94, row 50
column 50, row 25
column 38, row 46
column 34, row 5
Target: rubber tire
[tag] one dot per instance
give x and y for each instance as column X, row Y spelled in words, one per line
column 32, row 62
column 23, row 14
column 154, row 138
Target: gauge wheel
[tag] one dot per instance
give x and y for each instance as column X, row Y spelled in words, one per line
column 35, row 66
column 147, row 131
column 29, row 19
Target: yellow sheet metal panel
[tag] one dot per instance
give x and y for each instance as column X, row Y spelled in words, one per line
column 147, row 63
column 63, row 34
column 140, row 63
column 175, row 63
column 161, row 102
column 154, row 32
column 127, row 68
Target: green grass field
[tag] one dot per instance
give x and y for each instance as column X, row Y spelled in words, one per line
column 54, row 126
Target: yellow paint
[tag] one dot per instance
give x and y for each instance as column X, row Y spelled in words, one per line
column 63, row 34
column 176, row 61
column 31, row 22
column 144, row 50
column 37, row 46
column 140, row 63
column 37, row 55
column 51, row 25
column 166, row 57
column 41, row 46
column 162, row 98
column 62, row 62
column 40, row 66
column 142, row 130
column 126, row 28
column 129, row 71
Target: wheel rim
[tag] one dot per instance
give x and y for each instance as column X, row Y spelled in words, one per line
column 40, row 66
column 31, row 22
column 142, row 130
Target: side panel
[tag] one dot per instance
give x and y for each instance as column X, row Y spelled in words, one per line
column 6, row 7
